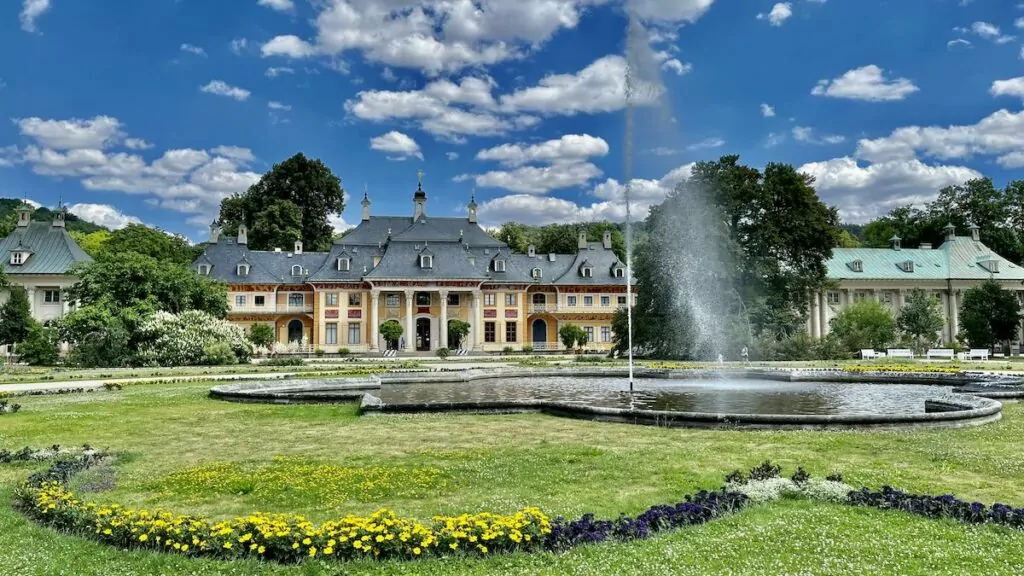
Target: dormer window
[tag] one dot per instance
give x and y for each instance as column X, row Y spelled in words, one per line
column 618, row 272
column 587, row 272
column 536, row 273
column 857, row 265
column 243, row 270
column 18, row 258
column 344, row 264
column 499, row 265
column 426, row 261
column 204, row 270
column 296, row 270
column 992, row 265
column 907, row 266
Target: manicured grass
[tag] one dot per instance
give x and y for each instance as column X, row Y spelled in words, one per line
column 184, row 451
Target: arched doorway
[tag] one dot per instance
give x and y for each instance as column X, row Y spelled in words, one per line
column 540, row 332
column 295, row 330
column 423, row 334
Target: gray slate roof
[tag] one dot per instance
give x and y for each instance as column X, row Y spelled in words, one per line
column 460, row 250
column 53, row 250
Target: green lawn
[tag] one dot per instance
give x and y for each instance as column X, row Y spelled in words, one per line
column 181, row 450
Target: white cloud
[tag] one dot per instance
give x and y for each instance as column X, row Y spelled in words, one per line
column 275, row 71
column 287, row 45
column 780, row 12
column 30, row 11
column 985, row 30
column 674, row 65
column 279, row 5
column 536, row 179
column 446, row 36
column 192, row 49
column 707, row 143
column 273, row 105
column 806, row 134
column 866, row 83
column 568, row 148
column 395, row 142
column 1019, row 23
column 11, row 155
column 958, row 42
column 235, row 153
column 221, row 88
column 238, row 45
column 767, row 111
column 774, row 139
column 865, row 192
column 137, row 144
column 663, row 151
column 98, row 132
column 998, row 134
column 103, row 215
column 452, row 155
column 1011, row 87
column 608, row 204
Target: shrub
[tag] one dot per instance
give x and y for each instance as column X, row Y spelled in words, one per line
column 801, row 477
column 41, row 347
column 319, row 352
column 344, row 351
column 218, row 354
column 527, row 349
column 443, row 352
column 507, row 350
column 182, row 339
column 765, row 470
column 283, row 362
column 834, row 477
column 735, row 477
column 261, row 335
column 6, row 407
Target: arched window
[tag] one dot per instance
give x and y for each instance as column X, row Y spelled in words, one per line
column 536, row 273
column 499, row 265
column 619, row 273
column 204, row 270
column 426, row 261
column 243, row 270
column 296, row 270
column 344, row 264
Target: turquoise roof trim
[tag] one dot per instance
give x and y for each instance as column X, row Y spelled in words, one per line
column 959, row 259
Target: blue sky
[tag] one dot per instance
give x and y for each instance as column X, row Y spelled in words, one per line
column 154, row 111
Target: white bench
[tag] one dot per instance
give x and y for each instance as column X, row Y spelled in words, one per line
column 900, row 353
column 868, row 354
column 944, row 353
column 975, row 354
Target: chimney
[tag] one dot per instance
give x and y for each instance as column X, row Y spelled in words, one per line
column 582, row 243
column 58, row 218
column 606, row 240
column 895, row 241
column 24, row 214
column 214, row 232
column 472, row 207
column 975, row 232
column 925, row 246
column 243, row 235
column 298, row 247
column 531, row 250
column 366, row 205
column 950, row 231
column 419, row 200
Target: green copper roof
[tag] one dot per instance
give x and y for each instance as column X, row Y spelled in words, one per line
column 959, row 259
column 51, row 250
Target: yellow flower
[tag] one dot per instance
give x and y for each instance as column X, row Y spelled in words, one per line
column 144, row 537
column 227, row 545
column 416, row 551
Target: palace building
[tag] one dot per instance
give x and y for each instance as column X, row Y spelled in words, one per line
column 422, row 272
column 889, row 274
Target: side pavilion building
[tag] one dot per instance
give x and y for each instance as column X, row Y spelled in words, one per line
column 422, row 272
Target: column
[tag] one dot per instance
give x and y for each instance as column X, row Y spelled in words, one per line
column 443, row 328
column 410, row 326
column 823, row 313
column 844, row 298
column 944, row 302
column 477, row 320
column 31, row 292
column 815, row 333
column 374, row 302
column 901, row 298
column 954, row 314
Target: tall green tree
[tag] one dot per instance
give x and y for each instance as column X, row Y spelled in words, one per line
column 518, row 236
column 391, row 331
column 989, row 315
column 293, row 201
column 921, row 319
column 92, row 242
column 15, row 317
column 147, row 241
column 863, row 325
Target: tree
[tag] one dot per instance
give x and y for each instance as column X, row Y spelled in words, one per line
column 457, row 330
column 93, row 242
column 517, row 236
column 125, row 280
column 41, row 346
column 865, row 324
column 151, row 242
column 847, row 240
column 391, row 331
column 989, row 315
column 261, row 335
column 572, row 336
column 15, row 317
column 921, row 319
column 293, row 201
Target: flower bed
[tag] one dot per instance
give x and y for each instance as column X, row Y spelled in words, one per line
column 383, row 535
column 904, row 368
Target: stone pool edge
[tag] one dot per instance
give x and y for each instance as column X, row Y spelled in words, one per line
column 947, row 410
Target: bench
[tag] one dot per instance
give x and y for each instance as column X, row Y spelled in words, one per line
column 944, row 353
column 975, row 354
column 900, row 353
column 867, row 354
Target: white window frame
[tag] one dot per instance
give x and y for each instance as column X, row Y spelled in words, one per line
column 587, row 272
column 344, row 264
column 536, row 273
column 606, row 300
column 570, row 301
column 204, row 270
column 619, row 273
column 296, row 270
column 51, row 296
column 293, row 295
column 355, row 333
column 511, row 299
column 392, row 301
column 588, row 301
column 499, row 265
column 833, row 297
column 332, row 298
column 355, row 299
column 490, row 299
column 606, row 333
column 240, row 300
column 242, row 270
column 426, row 261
